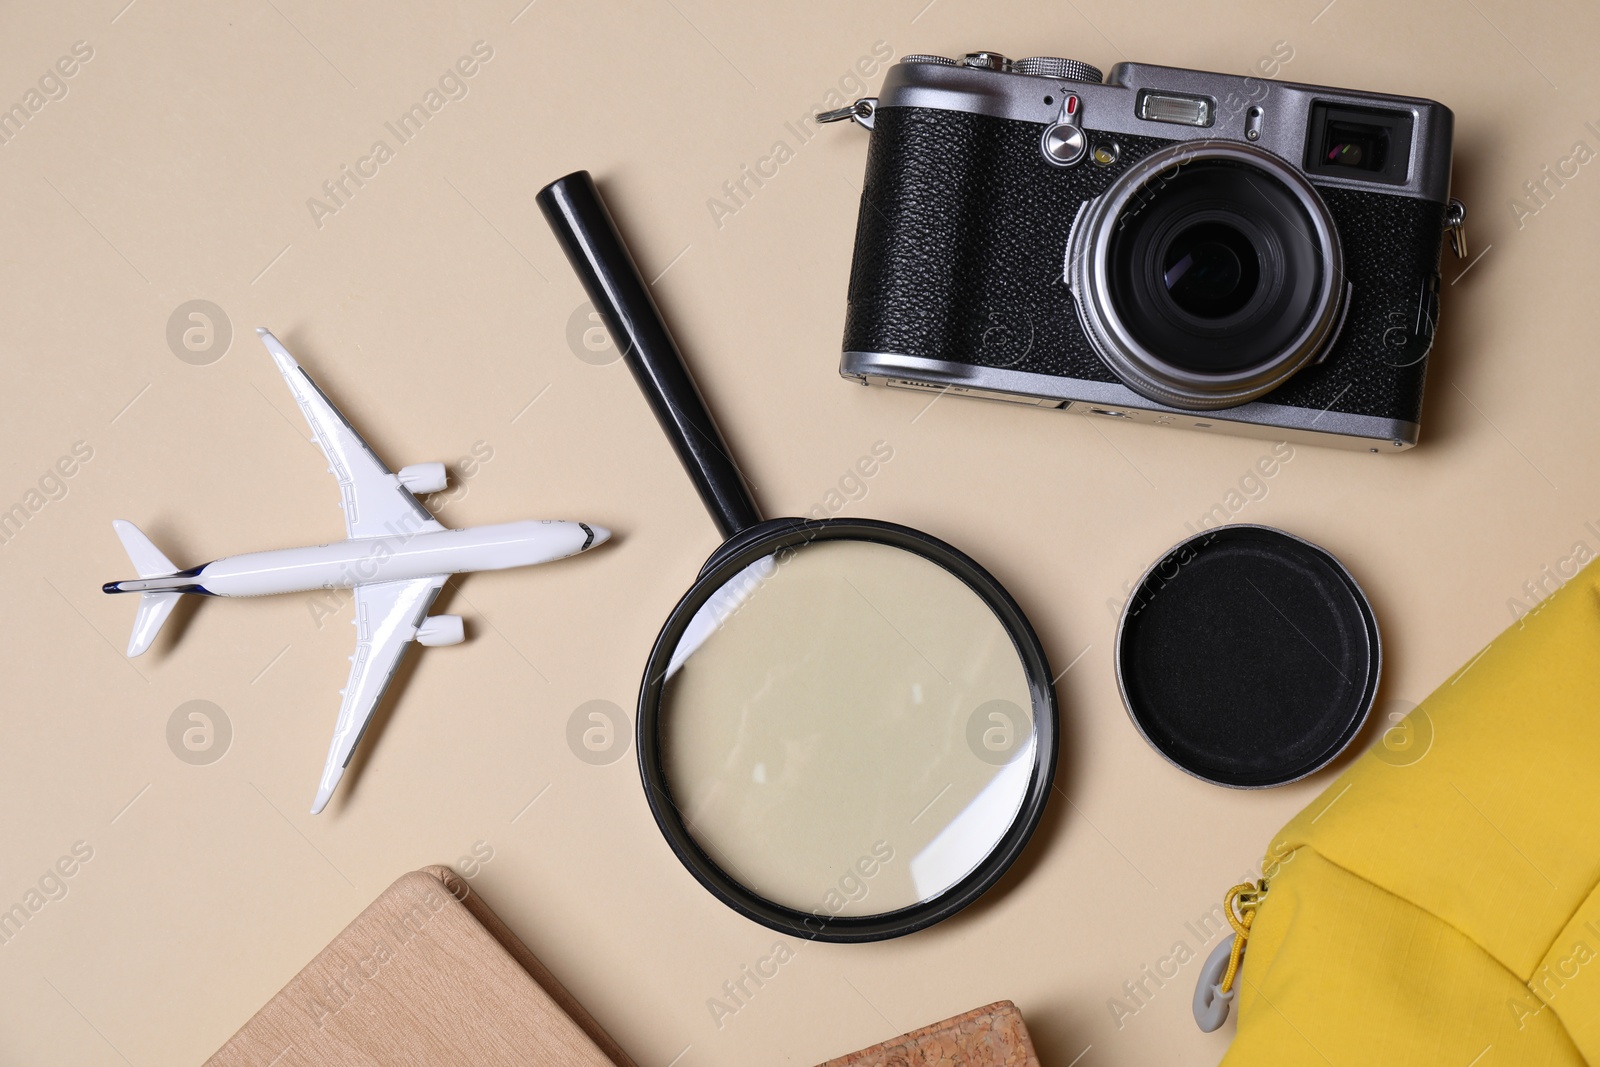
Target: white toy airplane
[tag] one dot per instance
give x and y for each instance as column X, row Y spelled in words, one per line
column 397, row 558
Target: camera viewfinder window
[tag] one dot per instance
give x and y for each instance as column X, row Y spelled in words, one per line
column 1355, row 144
column 1360, row 144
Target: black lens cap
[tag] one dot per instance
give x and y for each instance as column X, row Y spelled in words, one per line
column 1248, row 657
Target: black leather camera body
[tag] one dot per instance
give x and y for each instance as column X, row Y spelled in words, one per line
column 1165, row 246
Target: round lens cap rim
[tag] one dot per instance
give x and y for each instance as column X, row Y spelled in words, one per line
column 1345, row 598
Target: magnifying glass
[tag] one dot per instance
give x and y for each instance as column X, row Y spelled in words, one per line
column 847, row 728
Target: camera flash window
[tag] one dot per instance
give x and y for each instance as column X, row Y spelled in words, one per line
column 1174, row 108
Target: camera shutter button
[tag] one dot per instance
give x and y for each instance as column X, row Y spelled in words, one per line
column 1063, row 142
column 1064, row 145
column 1053, row 67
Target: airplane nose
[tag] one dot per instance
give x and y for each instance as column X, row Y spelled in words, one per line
column 598, row 535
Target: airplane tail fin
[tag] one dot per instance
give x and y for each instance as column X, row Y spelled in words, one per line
column 147, row 559
column 154, row 605
column 153, row 611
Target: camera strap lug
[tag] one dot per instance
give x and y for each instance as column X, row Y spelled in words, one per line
column 1455, row 222
column 862, row 112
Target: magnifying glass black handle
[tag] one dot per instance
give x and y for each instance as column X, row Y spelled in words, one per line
column 574, row 210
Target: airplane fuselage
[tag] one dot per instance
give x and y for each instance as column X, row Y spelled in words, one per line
column 396, row 557
column 393, row 557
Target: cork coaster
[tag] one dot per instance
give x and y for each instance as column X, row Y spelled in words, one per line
column 426, row 976
column 994, row 1036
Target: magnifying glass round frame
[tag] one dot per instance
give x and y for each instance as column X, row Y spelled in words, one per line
column 776, row 537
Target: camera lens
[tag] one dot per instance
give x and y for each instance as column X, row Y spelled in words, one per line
column 1214, row 268
column 1207, row 274
column 1211, row 270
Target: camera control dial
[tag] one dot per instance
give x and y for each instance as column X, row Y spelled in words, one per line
column 1054, row 67
column 986, row 61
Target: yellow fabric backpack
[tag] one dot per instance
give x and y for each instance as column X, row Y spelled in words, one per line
column 1438, row 903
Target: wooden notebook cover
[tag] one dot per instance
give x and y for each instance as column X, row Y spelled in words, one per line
column 426, row 976
column 984, row 1037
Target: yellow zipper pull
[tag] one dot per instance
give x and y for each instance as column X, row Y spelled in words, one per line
column 1214, row 993
column 1246, row 898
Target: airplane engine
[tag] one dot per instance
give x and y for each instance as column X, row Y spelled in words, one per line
column 424, row 477
column 441, row 630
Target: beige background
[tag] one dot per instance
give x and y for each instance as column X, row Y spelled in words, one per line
column 434, row 307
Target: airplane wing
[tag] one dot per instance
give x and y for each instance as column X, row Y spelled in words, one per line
column 375, row 503
column 387, row 616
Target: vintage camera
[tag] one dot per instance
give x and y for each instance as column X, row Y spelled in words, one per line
column 1166, row 246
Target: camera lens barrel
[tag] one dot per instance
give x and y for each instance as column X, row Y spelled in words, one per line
column 1207, row 274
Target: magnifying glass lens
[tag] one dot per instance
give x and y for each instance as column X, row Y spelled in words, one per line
column 852, row 737
column 846, row 729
